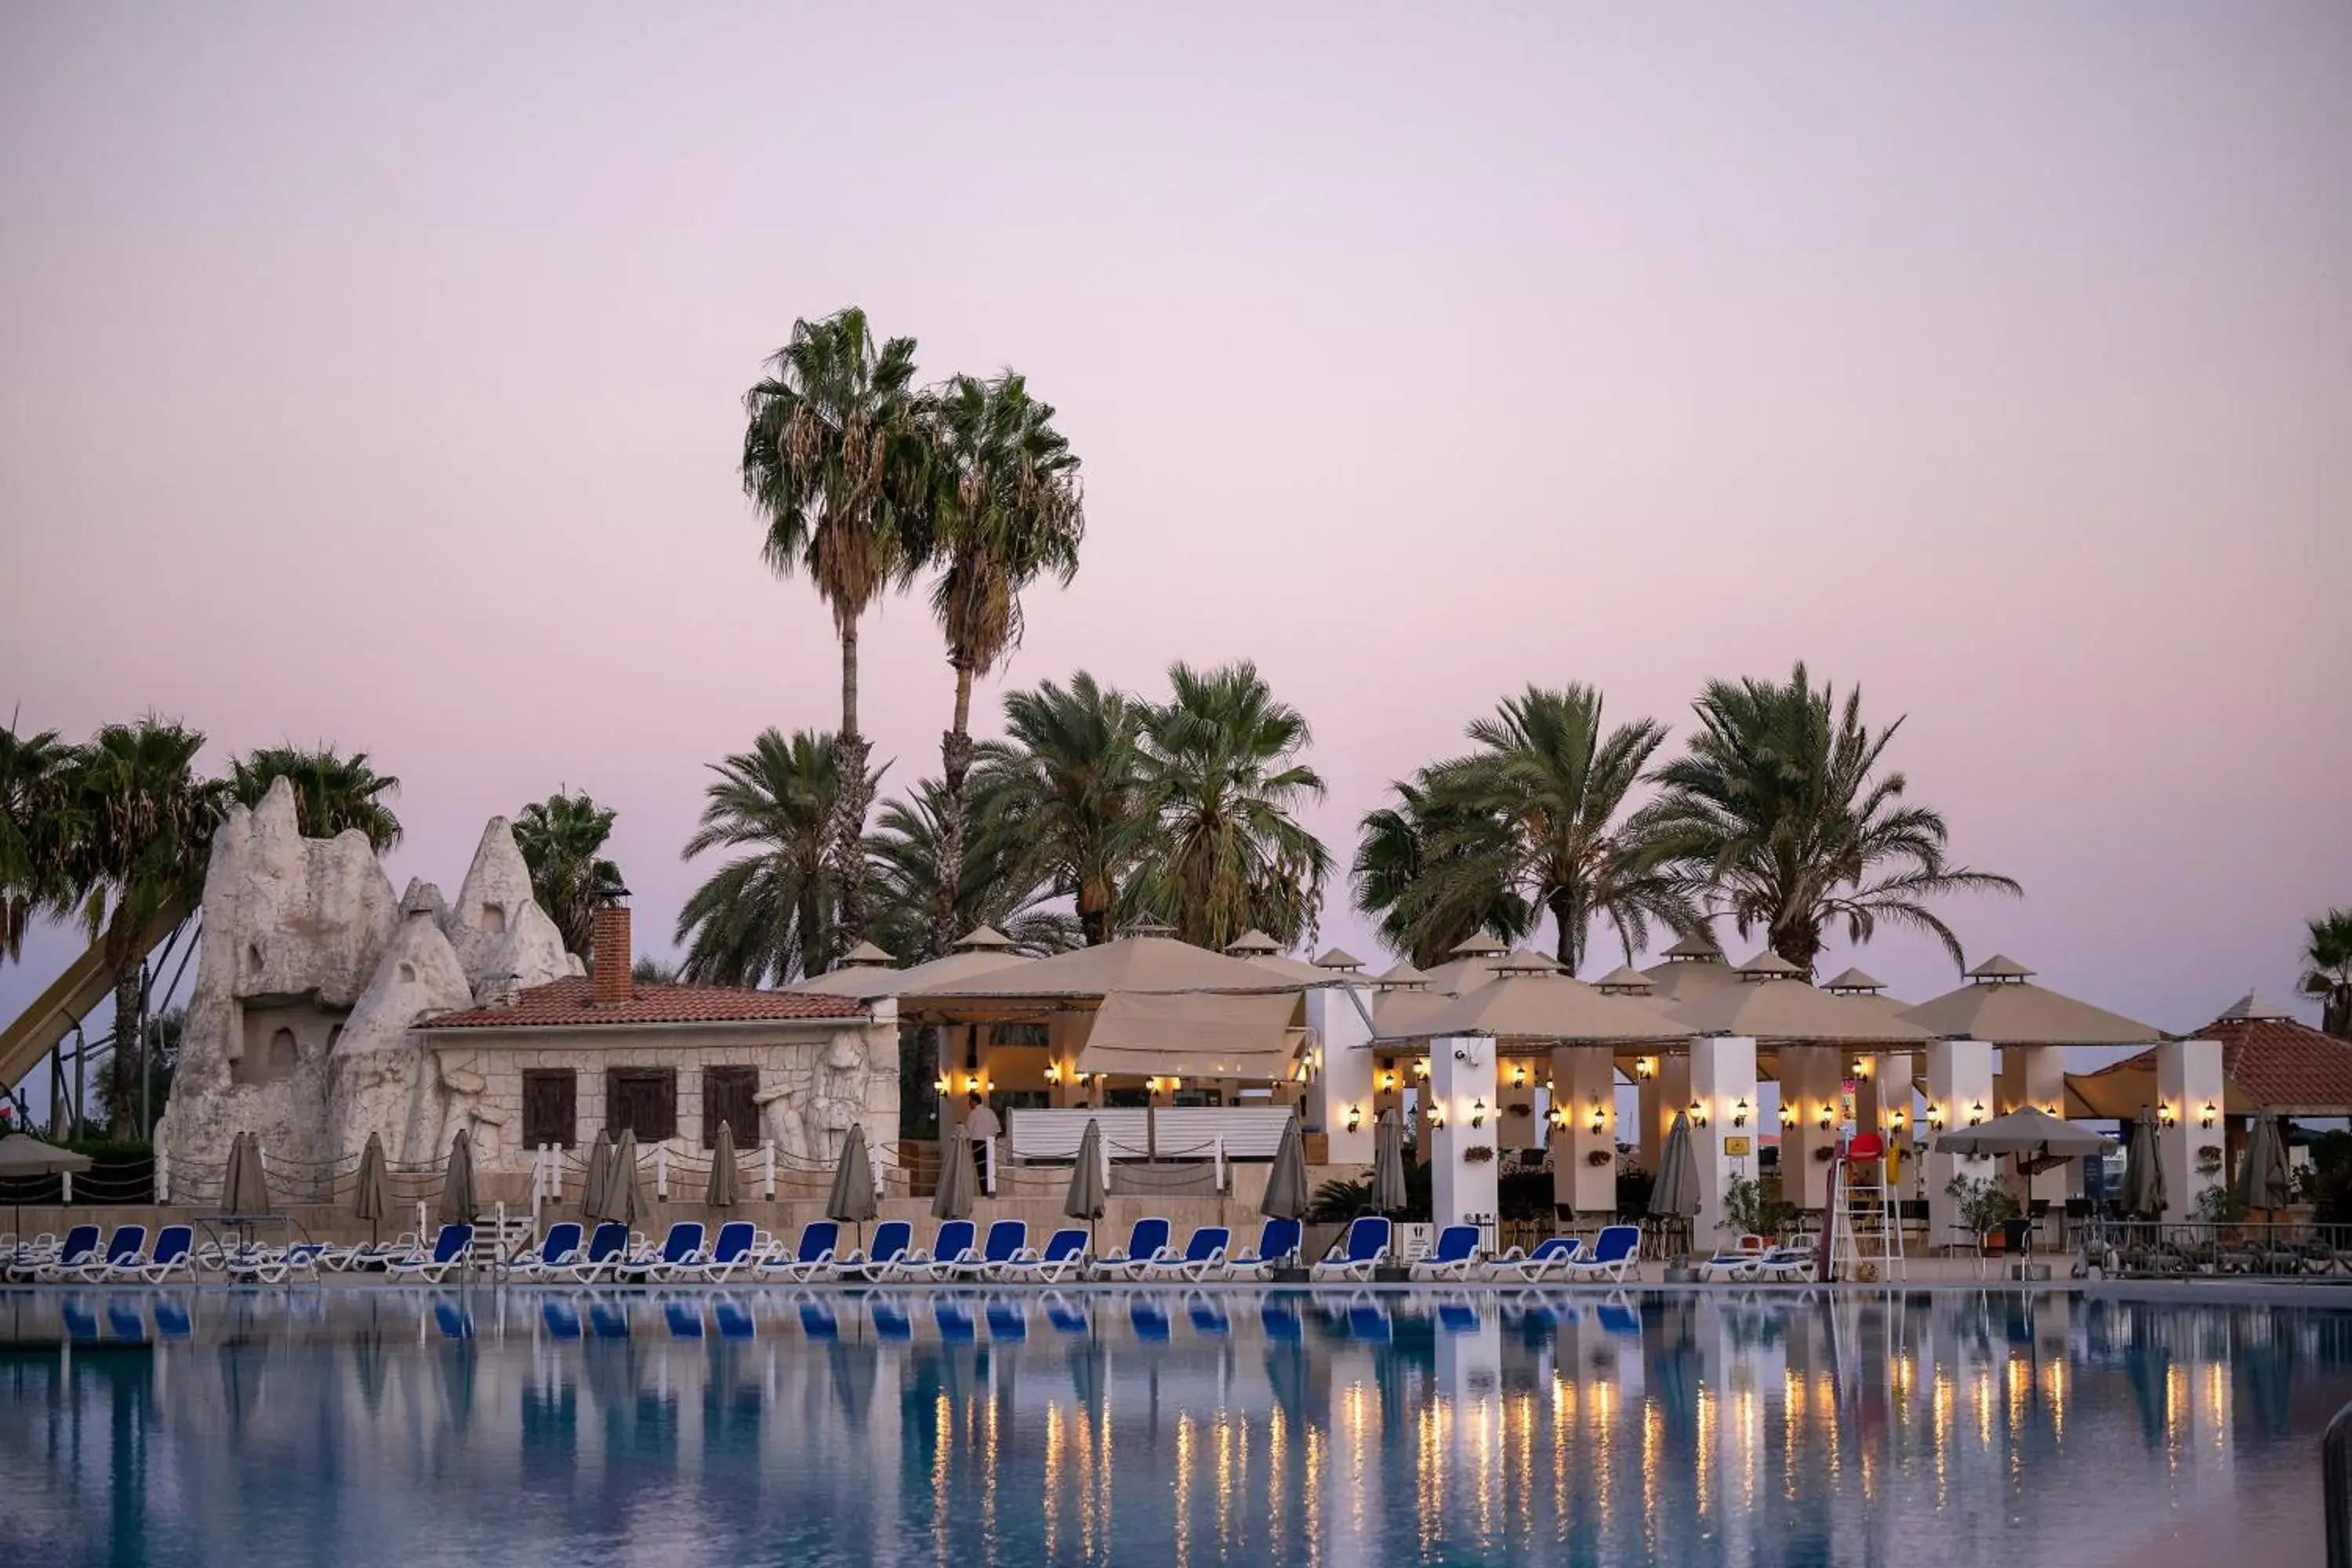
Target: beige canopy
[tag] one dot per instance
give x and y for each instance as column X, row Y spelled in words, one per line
column 2002, row 1006
column 1251, row 944
column 1177, row 1035
column 867, row 984
column 1538, row 1006
column 1685, row 975
column 1396, row 1015
column 1147, row 963
column 1303, row 972
column 2028, row 1132
column 1790, row 1010
column 1626, row 977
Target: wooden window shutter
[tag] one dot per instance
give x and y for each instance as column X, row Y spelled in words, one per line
column 550, row 1108
column 728, row 1096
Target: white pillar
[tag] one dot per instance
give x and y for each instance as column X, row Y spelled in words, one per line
column 1583, row 1077
column 2189, row 1079
column 1666, row 1091
column 1342, row 1089
column 1462, row 1085
column 1960, row 1086
column 2035, row 1075
column 1810, row 1083
column 1723, row 1085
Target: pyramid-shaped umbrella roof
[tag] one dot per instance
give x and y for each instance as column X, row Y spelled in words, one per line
column 2001, row 1005
column 868, row 983
column 1790, row 1010
column 1540, row 1007
column 1147, row 963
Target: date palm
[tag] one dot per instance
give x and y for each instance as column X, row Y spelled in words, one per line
column 997, row 885
column 766, row 916
column 1781, row 813
column 1222, row 782
column 332, row 793
column 1531, row 819
column 1007, row 508
column 34, row 796
column 1399, row 862
column 834, row 460
column 2327, row 969
column 139, row 836
column 1065, row 792
column 562, row 839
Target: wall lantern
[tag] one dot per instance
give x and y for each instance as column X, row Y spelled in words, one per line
column 1478, row 1113
column 1053, row 1072
column 1935, row 1116
column 1599, row 1119
column 1826, row 1115
column 1518, row 1075
column 1788, row 1115
column 1420, row 1066
column 1739, row 1114
column 1436, row 1113
column 1557, row 1117
column 1645, row 1068
column 2163, row 1114
column 1895, row 1118
column 1861, row 1069
column 1388, row 1083
column 2205, row 1118
column 1698, row 1113
column 1976, row 1113
column 941, row 1084
column 1355, row 1117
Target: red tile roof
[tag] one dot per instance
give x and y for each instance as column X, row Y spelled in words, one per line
column 2276, row 1063
column 565, row 1004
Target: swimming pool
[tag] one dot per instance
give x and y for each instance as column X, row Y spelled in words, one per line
column 393, row 1426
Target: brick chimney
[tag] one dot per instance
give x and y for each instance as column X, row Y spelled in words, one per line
column 608, row 962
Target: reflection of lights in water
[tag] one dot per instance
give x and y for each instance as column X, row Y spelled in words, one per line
column 1354, row 1420
column 988, row 1453
column 2217, row 1391
column 2176, row 1412
column 1277, row 1447
column 1222, row 1440
column 1980, row 1400
column 1563, row 1430
column 1312, row 1493
column 1485, row 1433
column 2053, row 1395
column 1652, row 1430
column 1792, row 1429
column 1939, row 1413
column 942, row 1441
column 1522, row 1430
column 1705, row 1452
column 1183, row 1489
column 2021, row 1383
column 1055, row 1437
column 1745, row 1413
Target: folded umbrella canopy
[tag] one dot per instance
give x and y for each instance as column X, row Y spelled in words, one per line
column 596, row 1179
column 2263, row 1180
column 1086, row 1198
column 245, row 1188
column 621, row 1199
column 24, row 1156
column 1387, row 1164
column 1676, row 1195
column 954, row 1199
column 2040, row 1141
column 2143, row 1192
column 721, row 1193
column 1285, row 1184
column 457, row 1205
column 371, row 1198
column 851, row 1201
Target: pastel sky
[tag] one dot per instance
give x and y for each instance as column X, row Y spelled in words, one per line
column 373, row 375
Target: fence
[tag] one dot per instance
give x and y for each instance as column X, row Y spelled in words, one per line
column 2141, row 1249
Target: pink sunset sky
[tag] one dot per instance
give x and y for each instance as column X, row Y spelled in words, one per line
column 374, row 377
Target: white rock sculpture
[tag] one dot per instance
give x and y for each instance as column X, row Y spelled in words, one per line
column 502, row 937
column 379, row 1081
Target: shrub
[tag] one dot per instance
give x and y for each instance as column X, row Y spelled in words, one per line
column 1983, row 1205
column 1749, row 1208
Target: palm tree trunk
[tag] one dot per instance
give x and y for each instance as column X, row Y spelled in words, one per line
column 2336, row 1015
column 955, row 767
column 130, row 1027
column 851, row 803
column 1799, row 942
column 1568, row 947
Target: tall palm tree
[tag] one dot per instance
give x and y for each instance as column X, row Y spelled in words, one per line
column 142, row 821
column 1779, row 814
column 1223, row 781
column 1007, row 509
column 332, row 793
column 1403, row 851
column 834, row 460
column 998, row 886
column 766, row 916
column 35, row 794
column 1531, row 820
column 2328, row 973
column 561, row 838
column 1066, row 790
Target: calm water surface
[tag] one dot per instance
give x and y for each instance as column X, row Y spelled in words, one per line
column 385, row 1427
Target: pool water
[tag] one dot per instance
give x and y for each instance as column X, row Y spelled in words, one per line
column 397, row 1427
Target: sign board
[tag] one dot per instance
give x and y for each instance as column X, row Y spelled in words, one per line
column 1736, row 1147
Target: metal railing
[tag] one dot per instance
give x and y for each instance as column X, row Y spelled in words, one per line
column 2336, row 1486
column 2167, row 1248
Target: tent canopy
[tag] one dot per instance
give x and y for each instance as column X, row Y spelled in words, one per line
column 1999, row 1004
column 1528, row 1005
column 1143, row 1035
column 1783, row 1009
column 1147, row 964
column 868, row 983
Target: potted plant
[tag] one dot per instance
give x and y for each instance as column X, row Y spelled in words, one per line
column 2208, row 1160
column 1824, row 1154
column 1596, row 1158
column 1477, row 1154
column 1984, row 1207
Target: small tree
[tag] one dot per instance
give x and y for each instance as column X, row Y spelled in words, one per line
column 1983, row 1205
column 1750, row 1210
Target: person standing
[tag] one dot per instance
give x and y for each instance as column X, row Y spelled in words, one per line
column 980, row 1124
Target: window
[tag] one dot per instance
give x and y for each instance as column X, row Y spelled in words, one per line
column 727, row 1097
column 643, row 1100
column 1127, row 1098
column 550, row 1108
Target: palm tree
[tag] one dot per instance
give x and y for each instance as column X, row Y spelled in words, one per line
column 1778, row 813
column 1065, row 792
column 140, row 835
column 34, row 796
column 998, row 886
column 332, row 793
column 1222, row 779
column 1007, row 509
column 766, row 916
column 1397, row 860
column 1530, row 821
column 834, row 460
column 2327, row 956
column 560, row 839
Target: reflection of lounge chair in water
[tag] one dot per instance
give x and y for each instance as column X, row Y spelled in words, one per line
column 172, row 1321
column 1066, row 1316
column 1148, row 1318
column 890, row 1318
column 685, row 1322
column 1618, row 1317
column 608, row 1320
column 1208, row 1317
column 561, row 1319
column 954, row 1320
column 123, row 1318
column 734, row 1319
column 1369, row 1320
column 817, row 1321
column 1457, row 1317
column 1281, row 1321
column 454, row 1321
column 1007, row 1320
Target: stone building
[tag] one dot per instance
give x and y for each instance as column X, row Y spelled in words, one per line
column 326, row 1009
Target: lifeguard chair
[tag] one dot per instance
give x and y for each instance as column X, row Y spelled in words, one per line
column 1866, row 1222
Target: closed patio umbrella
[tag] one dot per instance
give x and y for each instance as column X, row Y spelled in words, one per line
column 2263, row 1180
column 2144, row 1194
column 954, row 1199
column 371, row 1198
column 24, row 1156
column 851, row 1201
column 1087, row 1199
column 593, row 1180
column 245, row 1189
column 721, row 1193
column 1676, row 1194
column 457, row 1182
column 622, row 1201
column 1286, row 1184
column 1387, row 1164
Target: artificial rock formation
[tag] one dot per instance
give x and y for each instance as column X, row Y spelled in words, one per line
column 379, row 1081
column 503, row 939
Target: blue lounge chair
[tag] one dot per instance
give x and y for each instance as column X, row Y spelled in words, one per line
column 1365, row 1249
column 1008, row 1319
column 1793, row 1265
column 1064, row 1254
column 681, row 1247
column 1145, row 1242
column 1277, row 1244
column 1550, row 1258
column 608, row 1246
column 1006, row 1237
column 1614, row 1255
column 265, row 1267
column 892, row 1237
column 173, row 1253
column 451, row 1250
column 128, row 1243
column 814, row 1258
column 1456, row 1252
column 951, row 1247
column 1204, row 1254
column 80, row 1246
column 558, row 1249
column 730, row 1252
